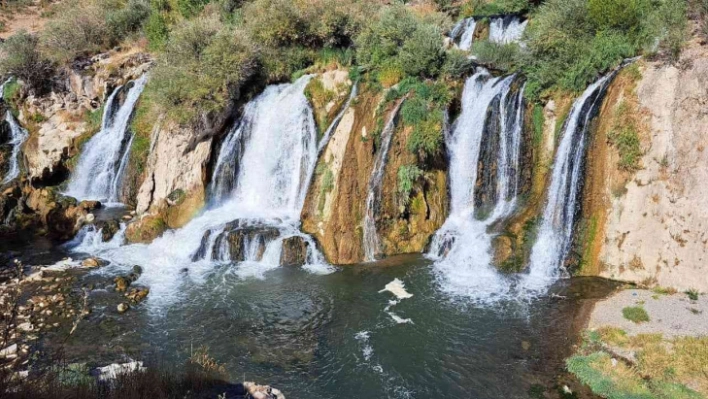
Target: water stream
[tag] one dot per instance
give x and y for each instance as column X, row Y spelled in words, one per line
column 99, row 172
column 18, row 135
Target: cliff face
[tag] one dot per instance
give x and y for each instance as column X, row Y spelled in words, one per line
column 336, row 201
column 650, row 226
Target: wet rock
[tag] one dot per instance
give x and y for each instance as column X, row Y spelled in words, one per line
column 262, row 391
column 122, row 283
column 90, row 205
column 238, row 241
column 108, row 229
column 123, row 307
column 137, row 295
column 294, row 252
column 90, row 217
column 9, row 351
column 91, row 262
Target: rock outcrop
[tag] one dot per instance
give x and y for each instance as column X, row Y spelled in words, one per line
column 652, row 227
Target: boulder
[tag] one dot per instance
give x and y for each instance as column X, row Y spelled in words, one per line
column 294, row 251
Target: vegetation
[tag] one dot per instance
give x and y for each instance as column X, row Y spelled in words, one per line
column 20, row 57
column 407, row 176
column 663, row 368
column 635, row 314
column 692, row 295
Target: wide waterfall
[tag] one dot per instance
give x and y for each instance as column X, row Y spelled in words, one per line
column 502, row 30
column 556, row 231
column 258, row 190
column 370, row 241
column 462, row 247
column 18, row 135
column 99, row 172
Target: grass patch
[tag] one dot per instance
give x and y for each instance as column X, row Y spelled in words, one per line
column 692, row 295
column 407, row 176
column 635, row 314
column 625, row 137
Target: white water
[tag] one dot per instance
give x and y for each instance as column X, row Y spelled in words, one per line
column 556, row 230
column 462, row 247
column 506, row 30
column 19, row 135
column 370, row 240
column 502, row 30
column 99, row 172
column 279, row 151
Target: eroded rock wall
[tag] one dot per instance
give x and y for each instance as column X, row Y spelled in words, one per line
column 655, row 230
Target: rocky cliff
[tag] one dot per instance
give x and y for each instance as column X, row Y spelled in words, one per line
column 649, row 222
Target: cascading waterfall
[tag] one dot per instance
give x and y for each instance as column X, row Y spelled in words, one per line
column 277, row 152
column 99, row 173
column 462, row 247
column 503, row 30
column 370, row 239
column 559, row 215
column 18, row 137
column 335, row 122
column 506, row 30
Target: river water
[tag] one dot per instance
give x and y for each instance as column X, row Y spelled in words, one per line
column 340, row 335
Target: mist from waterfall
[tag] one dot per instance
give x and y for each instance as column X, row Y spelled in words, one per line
column 462, row 247
column 260, row 179
column 99, row 172
column 562, row 204
column 370, row 240
column 18, row 135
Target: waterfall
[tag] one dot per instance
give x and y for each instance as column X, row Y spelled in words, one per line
column 370, row 240
column 562, row 205
column 258, row 188
column 99, row 172
column 18, row 137
column 462, row 247
column 502, row 30
column 506, row 30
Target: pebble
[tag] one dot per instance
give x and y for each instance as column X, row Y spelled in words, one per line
column 123, row 307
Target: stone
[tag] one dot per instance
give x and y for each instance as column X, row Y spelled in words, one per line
column 137, row 295
column 90, row 218
column 89, row 205
column 294, row 252
column 90, row 263
column 26, row 327
column 122, row 283
column 123, row 307
column 8, row 351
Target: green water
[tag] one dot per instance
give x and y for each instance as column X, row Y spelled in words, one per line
column 330, row 336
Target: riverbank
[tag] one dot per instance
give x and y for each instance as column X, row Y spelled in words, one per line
column 646, row 343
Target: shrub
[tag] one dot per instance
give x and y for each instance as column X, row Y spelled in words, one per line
column 203, row 65
column 635, row 314
column 456, row 64
column 20, row 57
column 499, row 7
column 692, row 295
column 501, row 56
column 407, row 176
column 87, row 26
column 400, row 38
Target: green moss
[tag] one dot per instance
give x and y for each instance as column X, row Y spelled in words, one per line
column 588, row 234
column 538, row 120
column 625, row 137
column 407, row 176
column 635, row 314
column 10, row 93
column 326, row 186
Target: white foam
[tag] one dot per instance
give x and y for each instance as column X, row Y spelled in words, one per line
column 397, row 288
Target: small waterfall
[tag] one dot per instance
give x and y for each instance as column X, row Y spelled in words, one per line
column 507, row 29
column 562, row 205
column 99, row 172
column 275, row 151
column 370, row 240
column 502, row 30
column 18, row 137
column 462, row 247
column 463, row 33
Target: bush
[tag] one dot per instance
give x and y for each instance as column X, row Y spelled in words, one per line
column 400, row 38
column 501, row 56
column 203, row 66
column 424, row 111
column 20, row 57
column 635, row 314
column 87, row 26
column 407, row 176
column 482, row 8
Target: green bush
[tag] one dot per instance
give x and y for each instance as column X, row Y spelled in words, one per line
column 407, row 176
column 635, row 314
column 157, row 30
column 87, row 26
column 501, row 56
column 424, row 111
column 498, row 7
column 203, row 66
column 20, row 57
column 456, row 64
column 399, row 37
